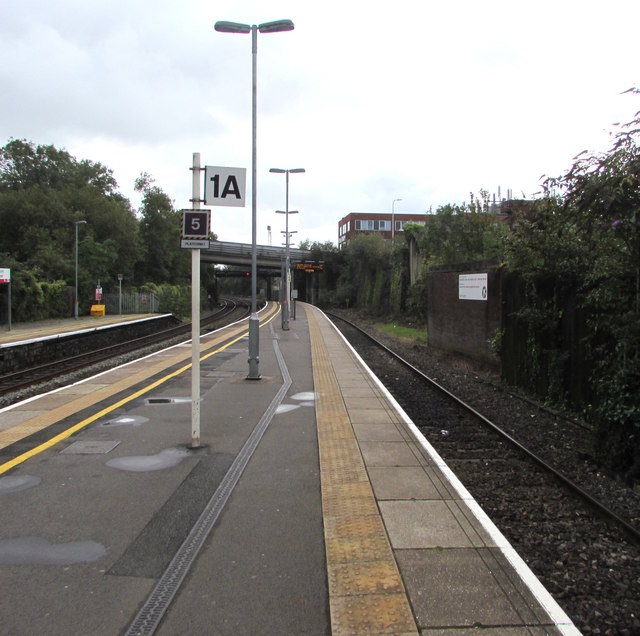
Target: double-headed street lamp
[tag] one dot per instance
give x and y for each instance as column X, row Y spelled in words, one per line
column 393, row 222
column 266, row 27
column 287, row 212
column 75, row 298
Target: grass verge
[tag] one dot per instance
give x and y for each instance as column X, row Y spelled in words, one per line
column 400, row 331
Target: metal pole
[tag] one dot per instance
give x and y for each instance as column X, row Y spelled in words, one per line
column 254, row 321
column 265, row 27
column 285, row 311
column 9, row 306
column 195, row 315
column 75, row 296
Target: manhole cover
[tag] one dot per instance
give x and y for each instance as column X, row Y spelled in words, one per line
column 90, row 448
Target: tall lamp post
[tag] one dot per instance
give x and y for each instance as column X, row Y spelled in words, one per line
column 75, row 298
column 287, row 212
column 393, row 223
column 287, row 269
column 266, row 27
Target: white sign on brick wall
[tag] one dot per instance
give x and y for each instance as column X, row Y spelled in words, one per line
column 472, row 287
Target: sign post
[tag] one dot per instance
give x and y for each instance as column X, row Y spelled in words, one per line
column 5, row 278
column 195, row 221
column 225, row 187
column 120, row 277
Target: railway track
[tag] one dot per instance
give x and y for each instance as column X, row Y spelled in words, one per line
column 584, row 552
column 17, row 382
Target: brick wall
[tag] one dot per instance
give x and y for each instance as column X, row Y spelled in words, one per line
column 463, row 326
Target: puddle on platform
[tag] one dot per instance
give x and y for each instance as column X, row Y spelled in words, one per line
column 147, row 463
column 15, row 483
column 37, row 551
column 125, row 420
column 285, row 408
column 305, row 396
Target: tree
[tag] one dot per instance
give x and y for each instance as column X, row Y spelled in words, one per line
column 43, row 192
column 326, row 282
column 366, row 277
column 461, row 234
column 584, row 241
column 163, row 260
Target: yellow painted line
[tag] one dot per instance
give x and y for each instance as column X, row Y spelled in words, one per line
column 84, row 423
column 366, row 592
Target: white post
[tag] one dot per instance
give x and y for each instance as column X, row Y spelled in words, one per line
column 195, row 315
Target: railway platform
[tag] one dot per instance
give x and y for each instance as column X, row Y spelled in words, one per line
column 26, row 331
column 312, row 506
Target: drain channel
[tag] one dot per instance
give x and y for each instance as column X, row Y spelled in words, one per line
column 158, row 602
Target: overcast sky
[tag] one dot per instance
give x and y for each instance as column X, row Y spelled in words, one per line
column 413, row 99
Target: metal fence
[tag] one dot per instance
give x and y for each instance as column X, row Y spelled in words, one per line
column 132, row 303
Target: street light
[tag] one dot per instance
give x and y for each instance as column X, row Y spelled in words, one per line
column 266, row 27
column 75, row 298
column 287, row 212
column 393, row 224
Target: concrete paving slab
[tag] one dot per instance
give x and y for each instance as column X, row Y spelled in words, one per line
column 15, row 416
column 371, row 403
column 403, row 482
column 426, row 524
column 456, row 587
column 374, row 432
column 388, row 454
column 368, row 416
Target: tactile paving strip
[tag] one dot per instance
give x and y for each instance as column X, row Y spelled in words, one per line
column 366, row 593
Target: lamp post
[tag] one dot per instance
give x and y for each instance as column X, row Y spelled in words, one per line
column 75, row 297
column 266, row 27
column 287, row 270
column 287, row 212
column 393, row 223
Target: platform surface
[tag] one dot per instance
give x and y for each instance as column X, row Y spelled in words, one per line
column 312, row 507
column 24, row 331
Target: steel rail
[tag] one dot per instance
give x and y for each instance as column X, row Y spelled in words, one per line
column 602, row 508
column 25, row 378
